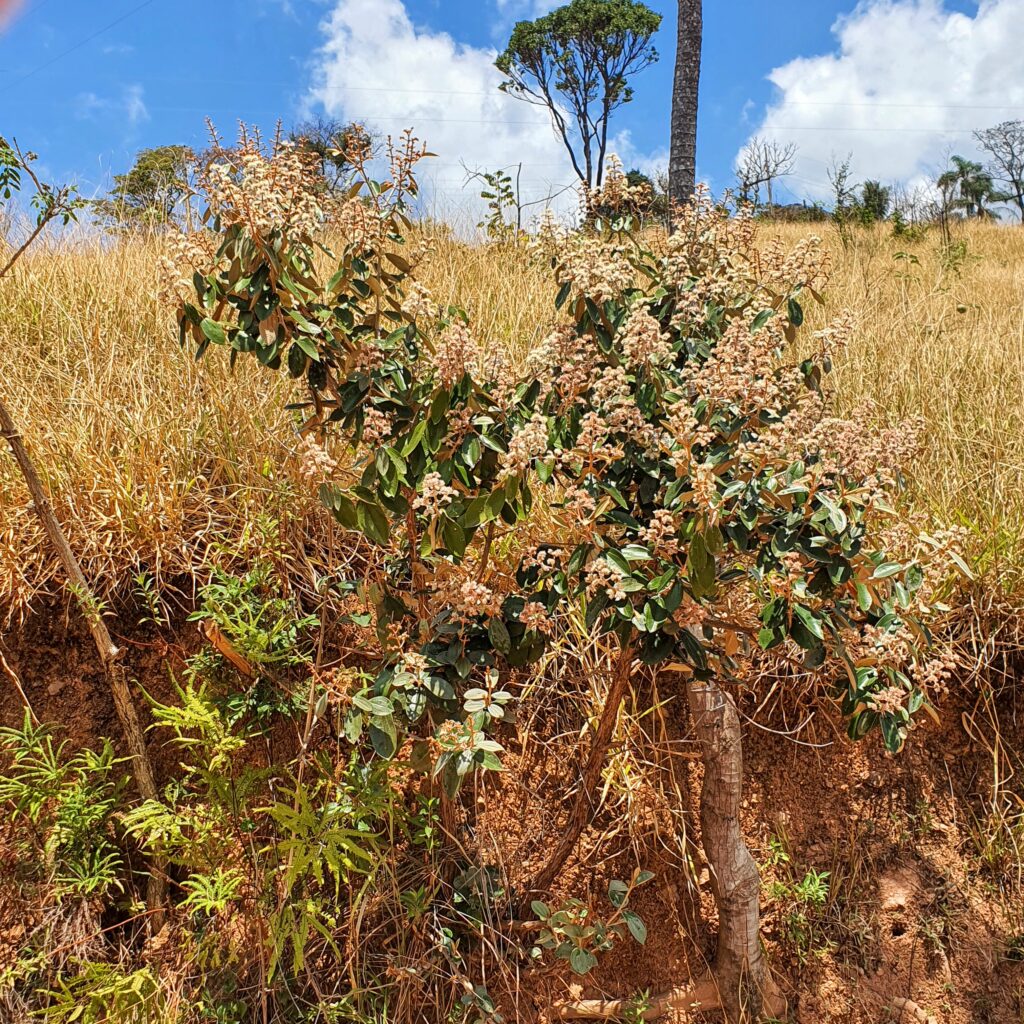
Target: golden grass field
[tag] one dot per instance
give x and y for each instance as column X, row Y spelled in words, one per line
column 153, row 458
column 157, row 463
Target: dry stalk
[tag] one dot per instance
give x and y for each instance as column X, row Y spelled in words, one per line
column 583, row 808
column 109, row 653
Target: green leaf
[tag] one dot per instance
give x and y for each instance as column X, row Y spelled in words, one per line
column 308, row 346
column 540, row 910
column 961, row 565
column 384, row 735
column 498, row 633
column 617, row 892
column 636, row 926
column 619, row 561
column 700, row 568
column 635, row 553
column 810, row 620
column 213, row 330
column 353, row 726
column 581, row 960
column 455, row 538
column 886, row 569
column 372, row 521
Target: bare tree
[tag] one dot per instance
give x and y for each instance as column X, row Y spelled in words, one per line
column 911, row 205
column 762, row 163
column 1005, row 145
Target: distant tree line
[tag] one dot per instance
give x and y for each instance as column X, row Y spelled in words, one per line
column 154, row 191
column 965, row 188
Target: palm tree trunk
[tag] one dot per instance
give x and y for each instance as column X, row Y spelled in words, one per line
column 682, row 168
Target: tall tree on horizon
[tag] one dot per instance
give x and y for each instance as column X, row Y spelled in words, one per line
column 682, row 167
column 578, row 61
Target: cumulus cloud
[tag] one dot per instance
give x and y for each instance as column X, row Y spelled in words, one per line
column 908, row 82
column 376, row 66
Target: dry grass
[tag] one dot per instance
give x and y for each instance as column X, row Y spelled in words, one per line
column 153, row 459
column 943, row 338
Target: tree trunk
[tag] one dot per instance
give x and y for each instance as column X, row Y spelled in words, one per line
column 583, row 809
column 739, row 963
column 682, row 168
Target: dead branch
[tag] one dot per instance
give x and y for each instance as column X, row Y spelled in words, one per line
column 583, row 809
column 699, row 996
column 109, row 653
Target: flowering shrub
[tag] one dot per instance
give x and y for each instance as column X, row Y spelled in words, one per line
column 708, row 495
column 702, row 496
column 436, row 463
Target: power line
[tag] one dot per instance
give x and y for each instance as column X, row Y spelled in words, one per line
column 83, row 42
column 870, row 104
column 833, row 128
column 914, row 106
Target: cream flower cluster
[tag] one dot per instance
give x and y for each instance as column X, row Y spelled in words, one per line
column 315, row 464
column 525, row 445
column 435, row 496
column 643, row 341
column 265, row 192
column 455, row 353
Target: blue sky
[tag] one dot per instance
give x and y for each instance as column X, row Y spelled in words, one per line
column 88, row 84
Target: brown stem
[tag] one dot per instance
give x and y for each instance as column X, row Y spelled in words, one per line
column 109, row 653
column 740, row 969
column 486, row 554
column 739, row 985
column 13, row 676
column 583, row 808
column 20, row 251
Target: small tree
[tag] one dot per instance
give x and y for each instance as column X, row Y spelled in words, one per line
column 148, row 194
column 973, row 188
column 875, row 199
column 702, row 504
column 51, row 203
column 334, row 144
column 1005, row 145
column 844, row 195
column 577, row 61
column 61, row 204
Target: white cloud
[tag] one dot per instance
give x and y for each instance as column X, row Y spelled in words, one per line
column 528, row 8
column 134, row 105
column 907, row 83
column 652, row 164
column 376, row 66
column 130, row 105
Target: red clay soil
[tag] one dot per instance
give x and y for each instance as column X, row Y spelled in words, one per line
column 915, row 928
